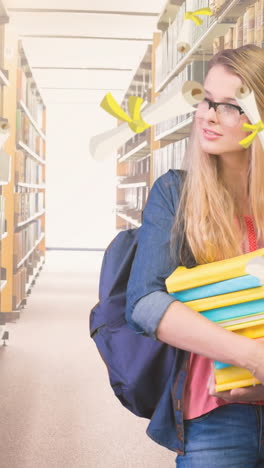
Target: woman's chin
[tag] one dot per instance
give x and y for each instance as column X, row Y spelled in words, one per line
column 209, row 147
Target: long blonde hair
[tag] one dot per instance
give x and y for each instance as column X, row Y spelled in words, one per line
column 205, row 221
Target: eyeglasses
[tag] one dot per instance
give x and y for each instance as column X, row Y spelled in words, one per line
column 228, row 114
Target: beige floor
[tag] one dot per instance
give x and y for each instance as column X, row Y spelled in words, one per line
column 57, row 409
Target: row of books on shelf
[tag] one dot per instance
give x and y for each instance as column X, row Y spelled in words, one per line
column 166, row 54
column 27, row 170
column 19, row 287
column 27, row 133
column 141, row 89
column 134, row 198
column 23, row 276
column 26, row 239
column 249, row 29
column 193, row 71
column 130, row 215
column 27, row 205
column 138, row 167
column 135, row 141
column 133, row 179
column 2, row 274
column 133, row 167
column 169, row 157
column 230, row 293
column 2, row 216
column 141, row 81
column 27, row 93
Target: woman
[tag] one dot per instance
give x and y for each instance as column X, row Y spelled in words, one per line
column 219, row 202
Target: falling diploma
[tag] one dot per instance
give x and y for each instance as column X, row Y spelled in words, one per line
column 180, row 100
column 246, row 100
column 184, row 40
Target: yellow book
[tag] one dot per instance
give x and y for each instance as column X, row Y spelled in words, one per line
column 223, row 300
column 185, row 278
column 253, row 329
column 233, row 377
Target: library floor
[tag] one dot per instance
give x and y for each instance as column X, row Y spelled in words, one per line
column 56, row 407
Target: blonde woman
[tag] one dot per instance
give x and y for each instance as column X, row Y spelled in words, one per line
column 211, row 211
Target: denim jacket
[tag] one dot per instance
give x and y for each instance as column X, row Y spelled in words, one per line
column 147, row 301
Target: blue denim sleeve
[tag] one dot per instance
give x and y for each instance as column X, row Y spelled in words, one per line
column 149, row 310
column 147, row 299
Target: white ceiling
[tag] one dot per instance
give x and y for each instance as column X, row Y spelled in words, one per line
column 81, row 49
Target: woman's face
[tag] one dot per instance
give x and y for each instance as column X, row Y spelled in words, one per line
column 220, row 86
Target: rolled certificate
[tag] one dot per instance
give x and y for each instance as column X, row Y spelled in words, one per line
column 247, row 101
column 183, row 43
column 178, row 101
column 4, row 132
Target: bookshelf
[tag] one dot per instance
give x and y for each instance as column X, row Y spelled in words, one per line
column 233, row 23
column 29, row 181
column 22, row 194
column 8, row 67
column 134, row 157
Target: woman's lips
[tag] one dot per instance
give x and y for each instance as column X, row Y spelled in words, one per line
column 210, row 134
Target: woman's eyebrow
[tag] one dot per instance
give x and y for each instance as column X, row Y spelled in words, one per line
column 225, row 98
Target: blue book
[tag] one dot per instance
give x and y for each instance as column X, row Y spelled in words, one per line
column 237, row 310
column 220, row 365
column 216, row 289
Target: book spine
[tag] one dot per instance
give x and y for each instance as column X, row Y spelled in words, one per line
column 214, row 289
column 233, row 311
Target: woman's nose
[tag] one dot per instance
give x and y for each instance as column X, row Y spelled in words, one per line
column 211, row 115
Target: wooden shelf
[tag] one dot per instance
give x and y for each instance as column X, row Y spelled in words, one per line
column 3, row 284
column 169, row 13
column 128, row 218
column 216, row 28
column 138, row 152
column 29, row 70
column 37, row 215
column 132, row 185
column 3, row 236
column 30, row 252
column 33, row 277
column 33, row 186
column 23, row 106
column 4, row 81
column 31, row 153
column 176, row 133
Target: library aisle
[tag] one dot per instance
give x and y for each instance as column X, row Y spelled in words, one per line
column 57, row 408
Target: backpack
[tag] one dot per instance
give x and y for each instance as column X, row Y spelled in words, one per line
column 138, row 366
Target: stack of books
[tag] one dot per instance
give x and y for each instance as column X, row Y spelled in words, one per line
column 231, row 293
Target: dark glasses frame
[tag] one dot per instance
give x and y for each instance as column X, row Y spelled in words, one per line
column 216, row 104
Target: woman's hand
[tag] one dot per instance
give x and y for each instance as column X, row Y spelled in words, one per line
column 251, row 393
